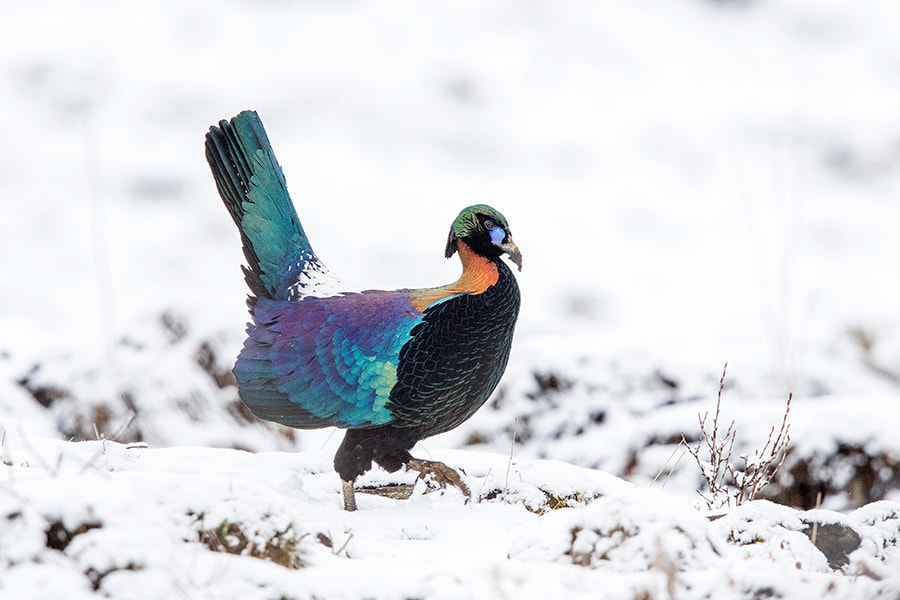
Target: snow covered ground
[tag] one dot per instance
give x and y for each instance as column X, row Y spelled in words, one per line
column 691, row 183
column 131, row 522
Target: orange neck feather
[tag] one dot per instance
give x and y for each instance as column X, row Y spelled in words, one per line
column 478, row 274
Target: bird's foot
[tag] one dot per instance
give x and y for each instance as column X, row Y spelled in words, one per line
column 440, row 473
column 349, row 495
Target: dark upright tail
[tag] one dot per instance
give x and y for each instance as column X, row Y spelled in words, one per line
column 253, row 188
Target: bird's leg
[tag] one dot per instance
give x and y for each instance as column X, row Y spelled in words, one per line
column 349, row 495
column 441, row 473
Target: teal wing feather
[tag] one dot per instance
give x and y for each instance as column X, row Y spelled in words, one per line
column 325, row 361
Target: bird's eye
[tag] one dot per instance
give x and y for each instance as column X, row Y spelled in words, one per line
column 488, row 224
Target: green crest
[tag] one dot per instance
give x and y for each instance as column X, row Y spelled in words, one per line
column 467, row 222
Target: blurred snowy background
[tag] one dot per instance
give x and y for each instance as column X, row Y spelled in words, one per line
column 690, row 183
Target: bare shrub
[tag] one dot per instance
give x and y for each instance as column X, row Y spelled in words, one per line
column 729, row 484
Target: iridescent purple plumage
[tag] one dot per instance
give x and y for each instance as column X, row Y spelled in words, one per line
column 392, row 367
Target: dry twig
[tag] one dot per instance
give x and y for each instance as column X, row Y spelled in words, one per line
column 512, row 447
column 725, row 482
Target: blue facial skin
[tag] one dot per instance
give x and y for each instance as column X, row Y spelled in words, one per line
column 497, row 235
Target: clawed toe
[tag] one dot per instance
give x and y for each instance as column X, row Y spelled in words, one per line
column 441, row 473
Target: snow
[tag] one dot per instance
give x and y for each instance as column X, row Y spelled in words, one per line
column 691, row 183
column 140, row 516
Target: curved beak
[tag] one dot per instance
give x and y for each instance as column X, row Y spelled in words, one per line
column 512, row 251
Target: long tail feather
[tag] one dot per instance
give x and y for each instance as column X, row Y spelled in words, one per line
column 252, row 186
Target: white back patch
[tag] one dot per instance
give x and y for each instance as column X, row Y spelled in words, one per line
column 318, row 281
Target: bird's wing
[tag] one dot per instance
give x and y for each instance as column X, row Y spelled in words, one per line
column 281, row 261
column 325, row 361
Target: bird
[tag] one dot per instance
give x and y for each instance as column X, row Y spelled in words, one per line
column 392, row 367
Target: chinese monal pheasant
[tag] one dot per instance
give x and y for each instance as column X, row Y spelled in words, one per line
column 390, row 367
